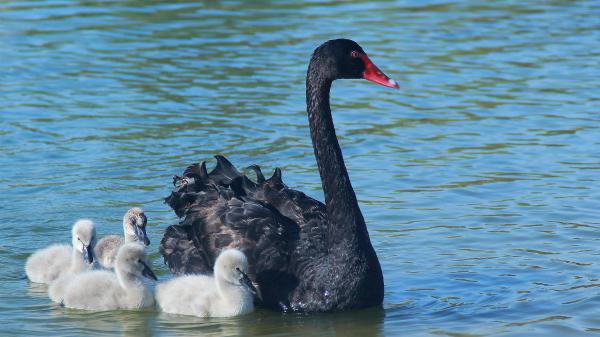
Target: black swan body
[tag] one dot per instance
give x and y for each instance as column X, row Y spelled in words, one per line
column 304, row 255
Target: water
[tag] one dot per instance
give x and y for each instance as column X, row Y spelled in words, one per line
column 478, row 178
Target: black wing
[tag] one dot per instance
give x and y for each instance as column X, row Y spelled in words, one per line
column 308, row 214
column 279, row 229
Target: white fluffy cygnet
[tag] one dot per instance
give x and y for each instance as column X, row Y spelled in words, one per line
column 134, row 228
column 48, row 264
column 104, row 290
column 228, row 293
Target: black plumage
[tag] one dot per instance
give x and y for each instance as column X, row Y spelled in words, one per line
column 304, row 255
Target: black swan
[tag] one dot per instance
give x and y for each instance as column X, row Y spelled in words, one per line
column 303, row 255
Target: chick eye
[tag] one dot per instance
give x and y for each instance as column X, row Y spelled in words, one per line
column 354, row 54
column 238, row 269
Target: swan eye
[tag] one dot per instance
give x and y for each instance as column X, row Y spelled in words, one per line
column 354, row 54
column 238, row 269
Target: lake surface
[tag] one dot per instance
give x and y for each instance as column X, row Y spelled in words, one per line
column 478, row 179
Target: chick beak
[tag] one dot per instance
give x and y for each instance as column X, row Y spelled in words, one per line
column 140, row 232
column 147, row 272
column 245, row 280
column 88, row 254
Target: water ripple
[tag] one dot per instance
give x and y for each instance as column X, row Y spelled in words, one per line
column 482, row 168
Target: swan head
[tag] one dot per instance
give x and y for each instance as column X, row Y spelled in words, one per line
column 83, row 238
column 343, row 58
column 231, row 266
column 134, row 225
column 131, row 259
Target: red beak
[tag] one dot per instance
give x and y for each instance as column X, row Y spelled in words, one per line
column 373, row 74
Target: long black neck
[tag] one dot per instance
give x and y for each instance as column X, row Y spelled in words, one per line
column 346, row 224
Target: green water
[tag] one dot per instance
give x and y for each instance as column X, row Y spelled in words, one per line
column 478, row 178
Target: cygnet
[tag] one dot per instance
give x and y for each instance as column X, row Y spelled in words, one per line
column 48, row 264
column 104, row 290
column 227, row 294
column 134, row 228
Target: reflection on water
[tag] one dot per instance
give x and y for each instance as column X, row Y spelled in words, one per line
column 38, row 290
column 126, row 323
column 477, row 178
column 264, row 323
